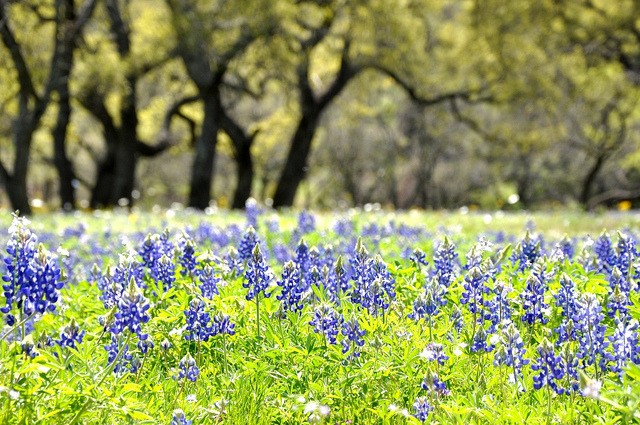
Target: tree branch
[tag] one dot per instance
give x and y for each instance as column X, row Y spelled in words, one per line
column 9, row 40
column 468, row 95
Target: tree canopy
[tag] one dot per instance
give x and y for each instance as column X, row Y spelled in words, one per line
column 408, row 103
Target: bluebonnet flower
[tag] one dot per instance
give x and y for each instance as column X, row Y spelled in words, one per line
column 165, row 345
column 533, row 304
column 445, row 261
column 257, row 275
column 624, row 344
column 343, row 227
column 208, row 282
column 128, row 268
column 198, row 326
column 567, row 247
column 281, row 253
column 70, row 335
column 179, row 418
column 549, row 367
column 588, row 319
column 46, row 283
column 247, row 244
column 154, row 247
column 252, row 211
column 342, row 277
column 233, row 261
column 434, row 385
column 144, row 345
column 626, row 253
column 418, row 258
column 570, row 383
column 619, row 295
column 29, row 348
column 422, row 408
column 187, row 258
column 163, row 272
column 32, row 278
column 326, row 321
column 526, row 252
column 292, row 291
column 456, row 319
column 429, row 302
column 221, row 324
column 474, row 256
column 605, row 254
column 566, row 299
column 118, row 352
column 480, row 342
column 510, row 352
column 501, row 304
column 131, row 311
column 303, row 263
column 373, row 287
column 353, row 337
column 475, row 289
column 306, row 222
column 187, row 368
column 434, row 352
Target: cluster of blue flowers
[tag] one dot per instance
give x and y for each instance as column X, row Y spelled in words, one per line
column 336, row 288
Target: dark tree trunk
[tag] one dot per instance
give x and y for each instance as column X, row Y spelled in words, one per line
column 126, row 149
column 244, row 162
column 101, row 191
column 244, row 176
column 65, row 45
column 295, row 167
column 203, row 162
column 16, row 184
column 60, row 159
column 587, row 183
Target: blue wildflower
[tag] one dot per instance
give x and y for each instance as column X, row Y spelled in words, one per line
column 353, row 337
column 179, row 418
column 549, row 367
column 188, row 369
column 422, row 408
column 208, row 282
column 326, row 321
column 257, row 275
column 70, row 335
column 624, row 344
column 198, row 321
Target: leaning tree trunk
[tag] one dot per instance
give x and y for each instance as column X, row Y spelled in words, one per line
column 16, row 184
column 203, row 163
column 589, row 180
column 296, row 166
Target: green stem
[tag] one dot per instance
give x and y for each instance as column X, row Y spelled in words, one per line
column 257, row 317
column 108, row 372
column 20, row 324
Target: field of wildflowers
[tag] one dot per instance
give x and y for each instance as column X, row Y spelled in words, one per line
column 348, row 318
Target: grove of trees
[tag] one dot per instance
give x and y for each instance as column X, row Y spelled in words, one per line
column 409, row 103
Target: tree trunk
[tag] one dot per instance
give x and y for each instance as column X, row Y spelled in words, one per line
column 126, row 149
column 60, row 158
column 65, row 45
column 244, row 162
column 101, row 192
column 587, row 183
column 296, row 166
column 16, row 184
column 244, row 176
column 203, row 163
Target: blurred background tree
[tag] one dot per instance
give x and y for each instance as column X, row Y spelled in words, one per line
column 326, row 103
